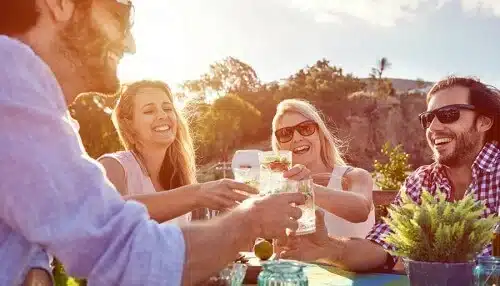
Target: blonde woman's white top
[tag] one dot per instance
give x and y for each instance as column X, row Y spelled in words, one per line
column 137, row 181
column 338, row 226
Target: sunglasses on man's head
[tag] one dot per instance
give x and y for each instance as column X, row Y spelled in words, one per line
column 446, row 114
column 306, row 128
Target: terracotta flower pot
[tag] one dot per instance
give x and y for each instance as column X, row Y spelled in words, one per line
column 382, row 198
column 439, row 274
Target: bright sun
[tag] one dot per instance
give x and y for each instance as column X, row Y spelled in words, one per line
column 151, row 21
column 166, row 47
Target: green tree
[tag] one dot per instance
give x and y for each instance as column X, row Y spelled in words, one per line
column 383, row 87
column 226, row 123
column 391, row 174
column 93, row 113
column 382, row 65
column 227, row 76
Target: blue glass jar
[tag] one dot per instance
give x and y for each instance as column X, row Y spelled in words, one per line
column 487, row 271
column 282, row 273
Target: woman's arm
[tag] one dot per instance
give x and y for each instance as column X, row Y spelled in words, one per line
column 167, row 205
column 162, row 206
column 353, row 205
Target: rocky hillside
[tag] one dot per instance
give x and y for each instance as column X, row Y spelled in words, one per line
column 371, row 122
column 367, row 122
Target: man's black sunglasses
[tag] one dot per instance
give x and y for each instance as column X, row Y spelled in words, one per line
column 305, row 128
column 446, row 114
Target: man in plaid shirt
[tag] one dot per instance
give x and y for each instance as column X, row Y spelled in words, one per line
column 462, row 126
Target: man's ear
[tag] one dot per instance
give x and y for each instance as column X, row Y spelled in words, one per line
column 60, row 10
column 484, row 123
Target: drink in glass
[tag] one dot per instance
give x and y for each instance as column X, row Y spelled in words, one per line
column 307, row 222
column 249, row 176
column 211, row 214
column 272, row 166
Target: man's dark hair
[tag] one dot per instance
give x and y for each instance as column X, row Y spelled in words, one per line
column 17, row 16
column 485, row 98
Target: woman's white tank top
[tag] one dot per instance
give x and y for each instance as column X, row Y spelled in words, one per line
column 137, row 181
column 338, row 226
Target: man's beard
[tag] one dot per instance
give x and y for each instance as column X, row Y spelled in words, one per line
column 85, row 47
column 466, row 144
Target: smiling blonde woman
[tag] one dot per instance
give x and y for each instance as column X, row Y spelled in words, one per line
column 346, row 192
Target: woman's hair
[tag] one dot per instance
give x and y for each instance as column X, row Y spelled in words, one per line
column 330, row 153
column 178, row 167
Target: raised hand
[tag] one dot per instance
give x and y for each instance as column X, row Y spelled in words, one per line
column 298, row 173
column 272, row 215
column 308, row 247
column 223, row 194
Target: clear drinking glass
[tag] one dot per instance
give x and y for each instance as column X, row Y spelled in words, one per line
column 272, row 166
column 212, row 213
column 233, row 275
column 249, row 176
column 282, row 273
column 487, row 271
column 307, row 222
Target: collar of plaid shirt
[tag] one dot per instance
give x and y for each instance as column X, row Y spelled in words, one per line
column 484, row 178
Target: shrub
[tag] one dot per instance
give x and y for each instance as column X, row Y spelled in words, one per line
column 391, row 175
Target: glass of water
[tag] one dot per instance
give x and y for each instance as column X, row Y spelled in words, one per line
column 211, row 214
column 233, row 275
column 272, row 166
column 249, row 176
column 307, row 222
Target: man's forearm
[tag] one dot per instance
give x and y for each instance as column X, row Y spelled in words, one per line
column 223, row 236
column 355, row 254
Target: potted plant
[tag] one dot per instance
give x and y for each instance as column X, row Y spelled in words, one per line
column 439, row 240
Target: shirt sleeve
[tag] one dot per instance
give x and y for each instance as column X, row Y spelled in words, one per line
column 378, row 234
column 55, row 196
column 41, row 260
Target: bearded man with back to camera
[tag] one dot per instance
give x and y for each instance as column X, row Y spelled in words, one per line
column 55, row 199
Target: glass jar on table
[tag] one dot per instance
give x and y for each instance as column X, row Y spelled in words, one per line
column 487, row 271
column 282, row 273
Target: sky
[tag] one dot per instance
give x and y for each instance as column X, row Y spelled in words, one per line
column 177, row 40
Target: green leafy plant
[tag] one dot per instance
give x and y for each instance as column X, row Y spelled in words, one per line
column 61, row 278
column 391, row 174
column 437, row 230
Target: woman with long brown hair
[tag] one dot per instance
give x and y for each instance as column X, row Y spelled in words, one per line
column 158, row 166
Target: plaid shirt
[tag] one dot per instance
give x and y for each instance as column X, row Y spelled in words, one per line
column 485, row 187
